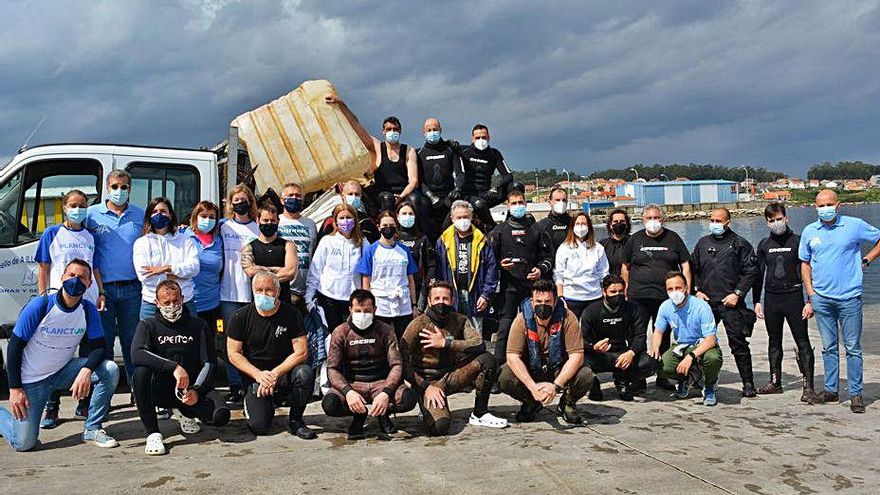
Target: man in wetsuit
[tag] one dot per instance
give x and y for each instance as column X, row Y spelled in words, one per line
column 365, row 368
column 480, row 161
column 441, row 174
column 725, row 268
column 556, row 223
column 443, row 354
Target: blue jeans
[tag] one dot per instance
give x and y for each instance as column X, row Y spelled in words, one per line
column 227, row 309
column 120, row 318
column 22, row 434
column 150, row 309
column 846, row 315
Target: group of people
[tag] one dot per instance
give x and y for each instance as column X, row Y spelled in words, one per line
column 405, row 296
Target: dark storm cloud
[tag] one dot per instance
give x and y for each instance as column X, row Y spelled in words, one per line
column 578, row 84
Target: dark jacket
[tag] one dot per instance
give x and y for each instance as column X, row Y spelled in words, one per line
column 723, row 265
column 484, row 267
column 520, row 238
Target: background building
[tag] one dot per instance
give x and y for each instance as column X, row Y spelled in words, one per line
column 680, row 192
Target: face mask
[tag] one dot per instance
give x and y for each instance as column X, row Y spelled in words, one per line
column 345, row 225
column 171, row 313
column 406, row 221
column 388, row 232
column 242, row 208
column 462, row 224
column 205, row 224
column 268, row 229
column 361, row 320
column 559, row 207
column 716, row 228
column 119, row 196
column 354, row 201
column 432, row 137
column 159, row 221
column 543, row 311
column 618, row 228
column 826, row 213
column 653, row 226
column 439, row 314
column 677, row 297
column 293, row 205
column 481, row 144
column 392, row 136
column 74, row 287
column 613, row 302
column 264, row 302
column 76, row 215
column 778, row 228
column 581, row 230
column 518, row 211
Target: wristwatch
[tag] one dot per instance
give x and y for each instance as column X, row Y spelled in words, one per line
column 866, row 262
column 559, row 388
column 692, row 355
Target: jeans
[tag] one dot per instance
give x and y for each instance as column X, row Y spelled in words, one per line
column 846, row 315
column 22, row 434
column 227, row 309
column 149, row 309
column 121, row 317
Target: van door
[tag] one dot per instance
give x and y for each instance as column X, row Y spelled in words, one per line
column 180, row 182
column 30, row 201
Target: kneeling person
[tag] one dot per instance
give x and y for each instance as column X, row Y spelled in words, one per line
column 545, row 357
column 173, row 355
column 267, row 343
column 444, row 354
column 365, row 368
column 696, row 354
column 614, row 341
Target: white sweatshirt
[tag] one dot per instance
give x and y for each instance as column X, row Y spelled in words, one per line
column 580, row 270
column 333, row 271
column 178, row 250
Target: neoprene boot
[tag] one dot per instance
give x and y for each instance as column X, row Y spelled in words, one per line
column 774, row 386
column 806, row 362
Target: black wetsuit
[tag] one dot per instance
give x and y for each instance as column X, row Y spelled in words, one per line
column 426, row 259
column 478, row 187
column 556, row 226
column 621, row 328
column 440, row 176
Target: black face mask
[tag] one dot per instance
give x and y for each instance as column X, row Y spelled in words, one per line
column 618, row 228
column 613, row 302
column 268, row 229
column 388, row 232
column 439, row 314
column 242, row 208
column 543, row 311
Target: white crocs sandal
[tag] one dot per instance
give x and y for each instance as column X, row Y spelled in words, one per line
column 189, row 426
column 155, row 445
column 487, row 420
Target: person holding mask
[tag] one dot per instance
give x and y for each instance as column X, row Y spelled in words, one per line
column 423, row 252
column 59, row 244
column 270, row 252
column 557, row 223
column 333, row 274
column 237, row 230
column 352, row 194
column 303, row 232
column 829, row 251
column 648, row 256
column 618, row 228
column 580, row 266
column 441, row 175
column 387, row 269
column 163, row 253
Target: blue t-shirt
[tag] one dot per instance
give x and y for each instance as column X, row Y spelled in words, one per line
column 114, row 240
column 689, row 324
column 834, row 254
column 52, row 334
column 389, row 268
column 207, row 283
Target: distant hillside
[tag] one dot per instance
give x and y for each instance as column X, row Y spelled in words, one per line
column 546, row 177
column 692, row 171
column 843, row 170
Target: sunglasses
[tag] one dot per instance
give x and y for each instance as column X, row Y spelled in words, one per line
column 124, row 187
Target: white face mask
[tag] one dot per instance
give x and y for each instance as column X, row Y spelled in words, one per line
column 361, row 320
column 559, row 207
column 581, row 230
column 676, row 296
column 462, row 224
column 481, row 144
column 653, row 226
column 778, row 227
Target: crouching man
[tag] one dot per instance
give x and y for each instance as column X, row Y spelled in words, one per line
column 545, row 357
column 41, row 359
column 365, row 368
column 696, row 356
column 444, row 354
column 173, row 356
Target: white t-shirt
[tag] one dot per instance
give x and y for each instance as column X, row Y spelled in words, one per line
column 389, row 269
column 59, row 246
column 302, row 232
column 580, row 270
column 235, row 285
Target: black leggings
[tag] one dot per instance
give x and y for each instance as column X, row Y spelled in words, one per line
column 648, row 309
column 779, row 308
column 335, row 311
column 296, row 385
column 578, row 307
column 513, row 297
column 398, row 322
column 154, row 389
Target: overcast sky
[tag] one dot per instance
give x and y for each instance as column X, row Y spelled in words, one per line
column 579, row 84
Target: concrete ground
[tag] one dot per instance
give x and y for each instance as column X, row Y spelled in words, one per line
column 767, row 445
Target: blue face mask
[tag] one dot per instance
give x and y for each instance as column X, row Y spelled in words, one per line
column 355, row 202
column 518, row 211
column 119, row 196
column 76, row 215
column 293, row 205
column 826, row 213
column 392, row 136
column 264, row 302
column 74, row 287
column 432, row 137
column 716, row 228
column 159, row 221
column 205, row 224
column 406, row 221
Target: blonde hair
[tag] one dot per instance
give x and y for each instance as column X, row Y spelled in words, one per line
column 252, row 201
column 356, row 237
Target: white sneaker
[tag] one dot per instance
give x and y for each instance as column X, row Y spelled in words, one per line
column 189, row 426
column 155, row 444
column 100, row 438
column 487, row 420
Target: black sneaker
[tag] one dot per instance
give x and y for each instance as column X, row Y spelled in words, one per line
column 749, row 390
column 300, row 429
column 595, row 394
column 356, row 428
column 638, row 387
column 528, row 411
column 624, row 392
column 665, row 384
column 386, row 425
column 235, row 395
